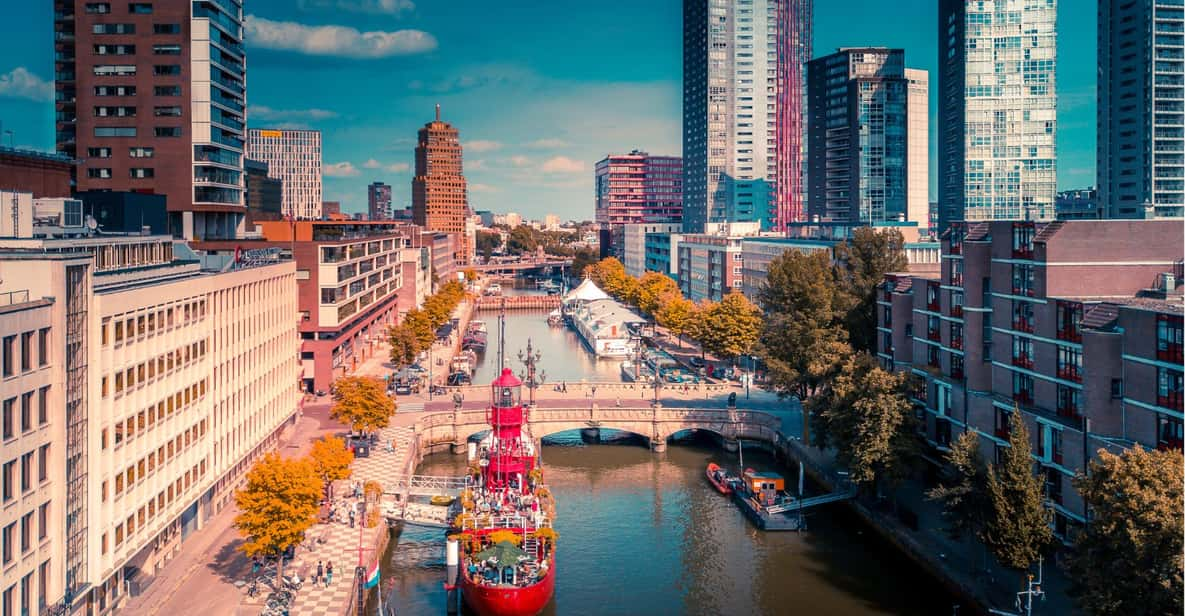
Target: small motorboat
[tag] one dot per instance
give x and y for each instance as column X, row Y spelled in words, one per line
column 719, row 478
column 441, row 500
column 555, row 318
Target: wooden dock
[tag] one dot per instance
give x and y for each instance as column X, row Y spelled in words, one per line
column 518, row 302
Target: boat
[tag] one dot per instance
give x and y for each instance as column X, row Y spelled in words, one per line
column 493, row 290
column 441, row 500
column 763, row 499
column 720, row 478
column 504, row 528
column 555, row 318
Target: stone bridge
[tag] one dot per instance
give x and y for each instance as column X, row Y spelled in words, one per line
column 452, row 429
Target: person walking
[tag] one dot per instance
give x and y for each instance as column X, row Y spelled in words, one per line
column 320, row 572
column 329, row 574
column 351, row 518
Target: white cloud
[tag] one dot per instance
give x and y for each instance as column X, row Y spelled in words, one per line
column 334, row 40
column 481, row 145
column 546, row 144
column 398, row 167
column 520, row 161
column 267, row 114
column 561, row 164
column 340, row 170
column 474, row 165
column 390, row 7
column 372, row 164
column 483, row 188
column 20, row 83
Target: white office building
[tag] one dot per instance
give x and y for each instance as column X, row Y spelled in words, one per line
column 294, row 157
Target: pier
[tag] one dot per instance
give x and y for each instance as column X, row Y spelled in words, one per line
column 518, row 302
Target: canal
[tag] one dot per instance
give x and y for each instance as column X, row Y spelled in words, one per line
column 644, row 533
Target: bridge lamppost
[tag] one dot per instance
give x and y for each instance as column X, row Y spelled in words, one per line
column 533, row 379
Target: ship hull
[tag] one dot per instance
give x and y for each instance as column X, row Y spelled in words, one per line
column 494, row 601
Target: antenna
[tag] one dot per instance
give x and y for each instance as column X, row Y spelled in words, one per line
column 502, row 336
column 437, row 112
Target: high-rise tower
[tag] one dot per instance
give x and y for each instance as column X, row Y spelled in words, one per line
column 743, row 110
column 378, row 201
column 294, row 157
column 438, row 190
column 997, row 110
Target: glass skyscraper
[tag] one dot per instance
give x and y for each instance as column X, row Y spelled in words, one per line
column 997, row 110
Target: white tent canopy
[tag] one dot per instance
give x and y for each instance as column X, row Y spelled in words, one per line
column 587, row 291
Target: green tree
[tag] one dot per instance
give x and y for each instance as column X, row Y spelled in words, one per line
column 522, row 239
column 1128, row 560
column 652, row 289
column 801, row 341
column 331, row 459
column 676, row 313
column 1017, row 525
column 405, row 346
column 861, row 265
column 362, row 403
column 583, row 258
column 963, row 490
column 732, row 327
column 278, row 503
column 487, row 242
column 863, row 413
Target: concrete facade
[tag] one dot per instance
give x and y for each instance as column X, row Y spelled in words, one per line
column 294, row 158
column 637, row 238
column 439, row 196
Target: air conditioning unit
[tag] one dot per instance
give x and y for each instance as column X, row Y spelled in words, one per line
column 59, row 212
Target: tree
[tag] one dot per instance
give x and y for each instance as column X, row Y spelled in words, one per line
column 276, row 506
column 522, row 239
column 331, row 459
column 864, row 414
column 963, row 491
column 861, row 265
column 676, row 313
column 732, row 327
column 582, row 260
column 652, row 289
column 609, row 274
column 470, row 275
column 1128, row 560
column 405, row 345
column 1017, row 525
column 486, row 242
column 420, row 325
column 801, row 342
column 362, row 403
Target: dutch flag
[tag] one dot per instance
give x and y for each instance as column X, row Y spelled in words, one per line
column 372, row 576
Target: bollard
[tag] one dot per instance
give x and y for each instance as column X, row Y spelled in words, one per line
column 452, row 559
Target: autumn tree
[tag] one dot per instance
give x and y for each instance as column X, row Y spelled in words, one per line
column 676, row 313
column 419, row 323
column 731, row 327
column 1017, row 525
column 609, row 274
column 860, row 265
column 863, row 413
column 278, row 503
column 653, row 288
column 362, row 403
column 404, row 343
column 699, row 329
column 331, row 459
column 801, row 342
column 1128, row 560
column 963, row 490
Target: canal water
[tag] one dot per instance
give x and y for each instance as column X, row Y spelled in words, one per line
column 644, row 533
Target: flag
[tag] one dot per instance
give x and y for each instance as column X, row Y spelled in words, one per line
column 372, row 577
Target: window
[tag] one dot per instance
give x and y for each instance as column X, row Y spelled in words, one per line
column 1169, row 432
column 142, row 172
column 166, row 90
column 1022, row 240
column 43, row 347
column 115, row 90
column 8, row 538
column 104, row 173
column 115, row 131
column 26, row 411
column 1022, row 316
column 1022, row 352
column 956, row 304
column 1168, row 388
column 26, row 351
column 1168, row 338
column 9, row 409
column 1053, row 480
column 166, row 28
column 98, row 152
column 933, row 328
column 956, row 366
column 27, row 472
column 1069, row 321
column 166, row 50
column 114, row 29
column 1022, row 279
column 9, row 480
column 9, row 352
column 43, row 463
column 166, row 69
column 932, row 289
column 115, row 50
column 167, row 131
column 1069, row 364
column 171, row 111
column 1002, row 418
column 43, row 405
column 1069, row 402
column 140, row 8
column 100, row 8
column 26, row 532
column 1022, row 388
column 141, row 152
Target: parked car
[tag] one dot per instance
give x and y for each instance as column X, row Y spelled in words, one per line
column 402, row 389
column 696, row 362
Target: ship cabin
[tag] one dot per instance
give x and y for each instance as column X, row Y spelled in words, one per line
column 510, row 459
column 764, row 486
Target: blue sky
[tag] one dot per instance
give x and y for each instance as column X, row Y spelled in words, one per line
column 539, row 90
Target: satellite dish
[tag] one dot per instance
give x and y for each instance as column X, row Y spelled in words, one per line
column 91, row 223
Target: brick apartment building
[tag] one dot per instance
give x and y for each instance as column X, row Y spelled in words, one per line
column 1077, row 324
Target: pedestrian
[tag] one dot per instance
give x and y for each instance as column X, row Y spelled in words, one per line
column 619, row 401
column 564, row 387
column 351, row 518
column 254, row 565
column 329, row 574
column 320, row 572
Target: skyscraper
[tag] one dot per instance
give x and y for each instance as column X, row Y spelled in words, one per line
column 293, row 156
column 1141, row 145
column 636, row 188
column 866, row 111
column 742, row 110
column 378, row 199
column 438, row 190
column 997, row 110
column 150, row 98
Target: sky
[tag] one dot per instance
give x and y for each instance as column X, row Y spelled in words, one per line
column 539, row 90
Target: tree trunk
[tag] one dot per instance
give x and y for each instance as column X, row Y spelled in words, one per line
column 280, row 570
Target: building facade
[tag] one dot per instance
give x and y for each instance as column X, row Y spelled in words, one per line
column 635, row 243
column 265, row 194
column 1078, row 204
column 638, row 188
column 40, row 173
column 865, row 114
column 1075, row 324
column 439, row 196
column 997, row 112
column 709, row 266
column 743, row 119
column 294, row 158
column 378, row 201
column 1141, row 143
column 150, row 97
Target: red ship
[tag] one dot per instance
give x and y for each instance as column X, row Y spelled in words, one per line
column 507, row 544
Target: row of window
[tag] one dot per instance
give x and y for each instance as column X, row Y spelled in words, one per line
column 127, row 70
column 116, row 90
column 130, row 50
column 26, row 412
column 133, row 152
column 26, row 592
column 142, row 325
column 148, row 511
column 131, row 29
column 146, row 371
column 128, row 111
column 135, row 8
column 9, row 361
column 140, row 470
column 130, row 131
column 103, row 173
column 126, row 429
column 8, row 538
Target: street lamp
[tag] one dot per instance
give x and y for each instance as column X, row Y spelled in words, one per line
column 532, row 377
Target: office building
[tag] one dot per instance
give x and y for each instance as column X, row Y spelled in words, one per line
column 1078, row 204
column 709, row 264
column 637, row 188
column 637, row 237
column 438, row 190
column 1141, row 109
column 743, row 124
column 142, row 387
column 997, row 112
column 868, row 140
column 41, row 173
column 265, row 194
column 150, row 98
column 378, row 201
column 294, row 158
column 1076, row 324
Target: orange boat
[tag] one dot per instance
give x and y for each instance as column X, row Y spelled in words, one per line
column 719, row 478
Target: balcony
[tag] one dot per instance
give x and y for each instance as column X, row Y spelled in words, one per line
column 933, row 306
column 1002, row 432
column 1069, row 412
column 1170, row 444
column 1022, row 325
column 1023, row 252
column 1070, row 334
column 1022, row 361
column 1172, row 353
column 956, row 343
column 956, row 311
column 1057, row 459
column 1069, row 373
column 956, row 279
column 1022, row 290
column 934, row 334
column 1169, row 401
column 1024, row 398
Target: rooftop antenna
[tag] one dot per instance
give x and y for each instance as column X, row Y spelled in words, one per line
column 501, row 335
column 437, row 112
